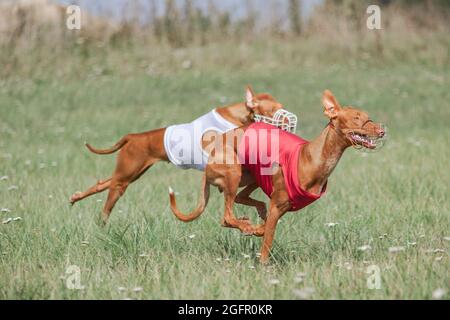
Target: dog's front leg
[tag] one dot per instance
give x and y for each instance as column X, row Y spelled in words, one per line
column 269, row 232
column 279, row 205
column 276, row 211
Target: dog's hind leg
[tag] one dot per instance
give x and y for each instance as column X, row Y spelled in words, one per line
column 229, row 183
column 244, row 198
column 119, row 184
column 132, row 162
column 116, row 190
column 100, row 186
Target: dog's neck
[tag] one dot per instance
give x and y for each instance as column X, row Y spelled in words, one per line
column 318, row 159
column 237, row 114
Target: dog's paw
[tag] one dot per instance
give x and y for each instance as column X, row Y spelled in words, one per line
column 247, row 229
column 263, row 260
column 259, row 231
column 225, row 224
column 75, row 197
column 251, row 230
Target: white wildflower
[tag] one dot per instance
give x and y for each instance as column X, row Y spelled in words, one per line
column 304, row 293
column 6, row 221
column 396, row 249
column 274, row 281
column 348, row 266
column 331, row 224
column 299, row 277
column 439, row 293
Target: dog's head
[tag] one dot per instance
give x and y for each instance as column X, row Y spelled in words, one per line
column 266, row 108
column 355, row 125
column 263, row 103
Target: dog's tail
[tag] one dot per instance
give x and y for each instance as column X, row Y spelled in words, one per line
column 113, row 149
column 202, row 203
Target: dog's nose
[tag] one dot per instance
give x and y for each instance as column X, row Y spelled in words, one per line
column 381, row 132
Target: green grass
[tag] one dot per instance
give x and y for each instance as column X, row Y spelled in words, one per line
column 402, row 191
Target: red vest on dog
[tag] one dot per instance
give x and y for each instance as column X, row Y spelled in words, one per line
column 261, row 146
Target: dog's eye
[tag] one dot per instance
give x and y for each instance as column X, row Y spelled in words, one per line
column 356, row 118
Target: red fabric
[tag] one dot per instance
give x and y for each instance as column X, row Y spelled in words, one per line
column 257, row 155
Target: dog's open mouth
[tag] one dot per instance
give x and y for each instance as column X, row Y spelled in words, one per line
column 369, row 142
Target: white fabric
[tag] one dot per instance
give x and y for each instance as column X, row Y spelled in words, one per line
column 183, row 142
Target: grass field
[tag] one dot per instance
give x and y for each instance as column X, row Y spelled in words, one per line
column 395, row 198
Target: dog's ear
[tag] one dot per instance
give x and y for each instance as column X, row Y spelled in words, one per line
column 330, row 104
column 250, row 98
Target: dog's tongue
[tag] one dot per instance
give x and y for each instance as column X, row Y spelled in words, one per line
column 370, row 144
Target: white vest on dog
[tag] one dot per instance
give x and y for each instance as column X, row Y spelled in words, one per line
column 183, row 142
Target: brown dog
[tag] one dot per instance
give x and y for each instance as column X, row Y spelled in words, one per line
column 301, row 181
column 138, row 152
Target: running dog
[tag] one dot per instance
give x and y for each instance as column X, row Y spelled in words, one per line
column 293, row 172
column 182, row 145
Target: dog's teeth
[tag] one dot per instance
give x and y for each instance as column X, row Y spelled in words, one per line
column 171, row 190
